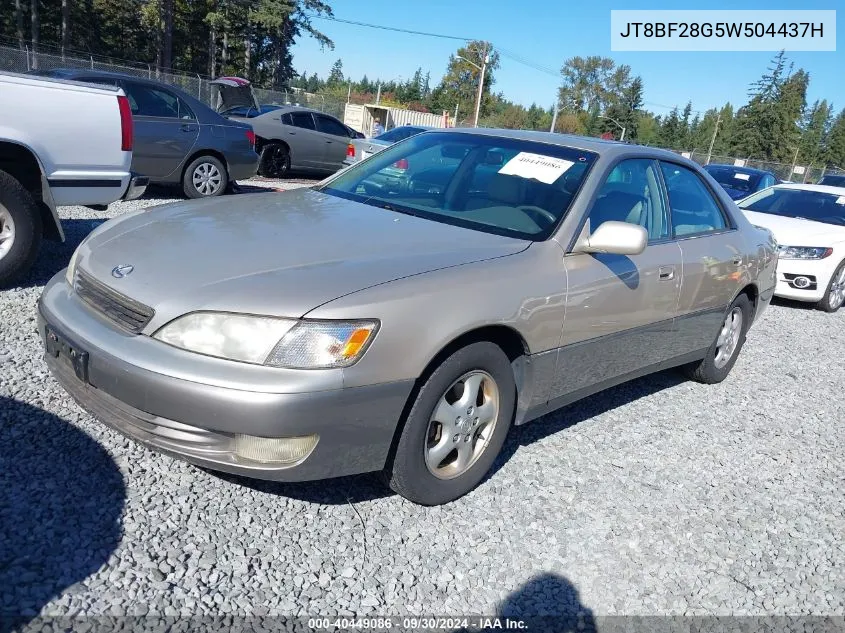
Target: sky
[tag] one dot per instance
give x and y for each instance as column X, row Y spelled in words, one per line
column 548, row 33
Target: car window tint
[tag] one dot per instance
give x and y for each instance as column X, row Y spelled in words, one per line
column 148, row 101
column 502, row 186
column 330, row 126
column 302, row 119
column 631, row 193
column 287, row 119
column 694, row 209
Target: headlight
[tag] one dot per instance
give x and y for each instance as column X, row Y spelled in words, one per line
column 804, row 252
column 270, row 341
column 71, row 267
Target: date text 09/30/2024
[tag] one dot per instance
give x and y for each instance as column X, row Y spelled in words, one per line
column 475, row 623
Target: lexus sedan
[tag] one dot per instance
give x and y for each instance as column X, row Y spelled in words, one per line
column 808, row 222
column 405, row 325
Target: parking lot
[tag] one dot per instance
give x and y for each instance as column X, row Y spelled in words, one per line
column 661, row 496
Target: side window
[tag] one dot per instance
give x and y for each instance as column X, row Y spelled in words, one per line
column 302, row 119
column 632, row 194
column 694, row 209
column 768, row 181
column 330, row 126
column 185, row 111
column 147, row 101
column 286, row 119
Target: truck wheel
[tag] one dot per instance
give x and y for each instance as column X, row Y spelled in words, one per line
column 275, row 161
column 205, row 177
column 20, row 229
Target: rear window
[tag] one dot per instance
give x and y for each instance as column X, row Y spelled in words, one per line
column 399, row 134
column 833, row 181
column 735, row 178
column 497, row 185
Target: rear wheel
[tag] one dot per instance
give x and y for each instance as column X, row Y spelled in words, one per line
column 275, row 161
column 456, row 426
column 205, row 177
column 835, row 295
column 722, row 355
column 20, row 229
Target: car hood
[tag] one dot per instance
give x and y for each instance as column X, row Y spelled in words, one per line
column 275, row 253
column 797, row 232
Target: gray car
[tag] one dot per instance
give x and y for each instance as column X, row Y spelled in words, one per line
column 362, row 148
column 351, row 327
column 178, row 139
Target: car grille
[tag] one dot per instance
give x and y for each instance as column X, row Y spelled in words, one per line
column 116, row 307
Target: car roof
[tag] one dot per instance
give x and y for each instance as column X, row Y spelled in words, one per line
column 588, row 143
column 837, row 191
column 742, row 170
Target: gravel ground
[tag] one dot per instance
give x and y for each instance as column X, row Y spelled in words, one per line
column 658, row 497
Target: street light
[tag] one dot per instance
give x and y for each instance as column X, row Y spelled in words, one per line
column 621, row 136
column 483, row 68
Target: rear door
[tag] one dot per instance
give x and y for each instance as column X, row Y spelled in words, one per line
column 335, row 137
column 306, row 144
column 165, row 129
column 713, row 253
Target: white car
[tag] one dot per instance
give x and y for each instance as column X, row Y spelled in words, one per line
column 808, row 222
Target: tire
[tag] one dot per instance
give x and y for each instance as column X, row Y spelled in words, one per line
column 412, row 471
column 20, row 230
column 834, row 296
column 205, row 177
column 275, row 161
column 715, row 368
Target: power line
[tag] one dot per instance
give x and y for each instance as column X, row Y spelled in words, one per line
column 391, row 28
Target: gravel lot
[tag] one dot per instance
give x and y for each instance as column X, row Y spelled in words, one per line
column 658, row 497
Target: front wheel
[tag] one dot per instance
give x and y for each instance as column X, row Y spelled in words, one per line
column 456, row 426
column 205, row 177
column 835, row 295
column 722, row 355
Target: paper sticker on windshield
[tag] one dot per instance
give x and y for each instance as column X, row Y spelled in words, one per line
column 544, row 168
column 840, row 200
column 739, row 176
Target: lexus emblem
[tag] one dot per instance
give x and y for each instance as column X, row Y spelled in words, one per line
column 122, row 270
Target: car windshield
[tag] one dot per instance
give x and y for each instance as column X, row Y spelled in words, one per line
column 818, row 206
column 833, row 181
column 735, row 178
column 498, row 185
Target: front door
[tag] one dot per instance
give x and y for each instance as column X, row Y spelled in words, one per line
column 165, row 130
column 620, row 309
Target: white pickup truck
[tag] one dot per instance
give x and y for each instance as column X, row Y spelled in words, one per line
column 61, row 143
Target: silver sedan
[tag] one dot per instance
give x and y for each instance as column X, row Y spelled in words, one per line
column 404, row 321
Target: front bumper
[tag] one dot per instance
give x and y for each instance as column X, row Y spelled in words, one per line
column 819, row 271
column 137, row 187
column 198, row 422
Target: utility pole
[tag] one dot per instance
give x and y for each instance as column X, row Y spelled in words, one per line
column 456, row 115
column 481, row 84
column 554, row 117
column 713, row 139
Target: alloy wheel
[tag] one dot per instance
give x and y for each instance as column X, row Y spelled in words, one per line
column 837, row 288
column 462, row 424
column 7, row 231
column 728, row 339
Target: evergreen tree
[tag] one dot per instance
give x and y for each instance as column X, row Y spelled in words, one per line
column 336, row 74
column 835, row 151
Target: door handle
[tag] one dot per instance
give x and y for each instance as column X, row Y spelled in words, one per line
column 666, row 273
column 188, row 128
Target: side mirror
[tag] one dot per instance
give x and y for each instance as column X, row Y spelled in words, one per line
column 616, row 238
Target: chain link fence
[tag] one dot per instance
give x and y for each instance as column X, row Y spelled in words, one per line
column 18, row 60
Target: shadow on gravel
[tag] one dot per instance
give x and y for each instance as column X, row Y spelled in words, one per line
column 582, row 410
column 61, row 497
column 789, row 303
column 338, row 491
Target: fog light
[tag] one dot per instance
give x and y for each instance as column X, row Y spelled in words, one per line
column 274, row 450
column 801, row 282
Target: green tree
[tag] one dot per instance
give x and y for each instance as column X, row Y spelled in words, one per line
column 814, row 131
column 626, row 110
column 460, row 83
column 835, row 151
column 336, row 74
column 589, row 83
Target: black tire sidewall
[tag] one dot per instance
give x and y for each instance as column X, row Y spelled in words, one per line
column 718, row 374
column 266, row 155
column 409, row 475
column 188, row 178
column 28, row 229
